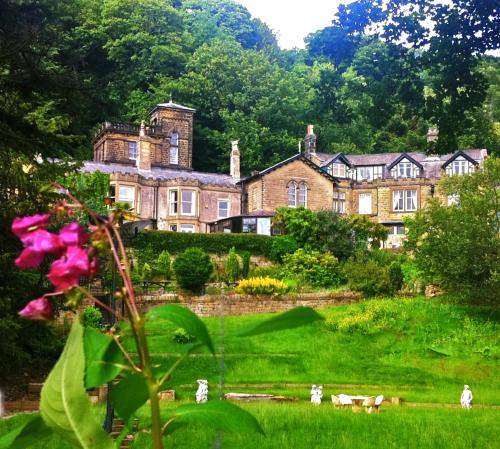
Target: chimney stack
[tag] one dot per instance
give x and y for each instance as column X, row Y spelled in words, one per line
column 144, row 151
column 310, row 141
column 432, row 135
column 234, row 166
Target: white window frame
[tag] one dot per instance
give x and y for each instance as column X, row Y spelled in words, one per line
column 292, row 196
column 174, row 149
column 459, row 166
column 338, row 169
column 405, row 169
column 126, row 198
column 184, row 202
column 363, row 209
column 227, row 208
column 302, row 194
column 404, row 200
column 133, row 150
column 339, row 200
column 371, row 172
column 173, row 202
column 187, row 228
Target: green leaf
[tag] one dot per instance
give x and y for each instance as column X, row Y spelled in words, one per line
column 102, row 358
column 129, row 394
column 184, row 318
column 26, row 435
column 64, row 405
column 300, row 316
column 218, row 415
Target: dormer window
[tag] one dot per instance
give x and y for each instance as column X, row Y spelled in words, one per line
column 369, row 173
column 459, row 166
column 132, row 150
column 174, row 149
column 338, row 169
column 405, row 169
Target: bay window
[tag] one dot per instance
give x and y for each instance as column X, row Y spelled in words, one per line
column 188, row 202
column 126, row 194
column 173, row 201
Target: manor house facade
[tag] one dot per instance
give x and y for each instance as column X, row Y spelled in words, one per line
column 151, row 169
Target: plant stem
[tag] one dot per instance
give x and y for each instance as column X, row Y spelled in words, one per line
column 153, row 386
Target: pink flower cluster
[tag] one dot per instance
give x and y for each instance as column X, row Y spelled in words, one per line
column 74, row 260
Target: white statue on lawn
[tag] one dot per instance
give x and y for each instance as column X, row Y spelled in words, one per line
column 202, row 392
column 466, row 398
column 316, row 394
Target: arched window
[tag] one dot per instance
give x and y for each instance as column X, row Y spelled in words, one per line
column 174, row 148
column 297, row 194
column 292, row 194
column 302, row 194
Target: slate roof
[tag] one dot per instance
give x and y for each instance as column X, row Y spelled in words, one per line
column 432, row 164
column 161, row 174
column 297, row 156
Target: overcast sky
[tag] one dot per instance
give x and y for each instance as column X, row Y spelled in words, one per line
column 293, row 20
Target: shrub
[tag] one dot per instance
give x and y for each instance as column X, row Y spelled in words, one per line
column 272, row 271
column 315, row 268
column 396, row 276
column 163, row 266
column 146, row 272
column 232, row 266
column 152, row 243
column 282, row 246
column 245, row 270
column 182, row 337
column 192, row 269
column 368, row 277
column 92, row 317
column 262, row 286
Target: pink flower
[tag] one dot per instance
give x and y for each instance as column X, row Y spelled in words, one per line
column 73, row 234
column 38, row 309
column 67, row 271
column 42, row 241
column 24, row 225
column 29, row 259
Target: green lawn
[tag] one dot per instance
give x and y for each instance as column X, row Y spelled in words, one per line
column 302, row 425
column 420, row 349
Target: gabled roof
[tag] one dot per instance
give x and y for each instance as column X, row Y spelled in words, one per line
column 457, row 154
column 340, row 156
column 404, row 156
column 297, row 157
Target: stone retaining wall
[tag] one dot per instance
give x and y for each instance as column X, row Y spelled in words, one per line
column 231, row 304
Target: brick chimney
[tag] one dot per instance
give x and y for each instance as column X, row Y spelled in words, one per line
column 310, row 142
column 234, row 166
column 144, row 150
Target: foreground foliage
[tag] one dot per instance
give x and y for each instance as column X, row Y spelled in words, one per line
column 458, row 246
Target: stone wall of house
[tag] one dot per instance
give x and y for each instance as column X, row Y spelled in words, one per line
column 270, row 191
column 382, row 191
column 213, row 305
column 181, row 122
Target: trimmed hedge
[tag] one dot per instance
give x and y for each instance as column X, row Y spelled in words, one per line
column 177, row 242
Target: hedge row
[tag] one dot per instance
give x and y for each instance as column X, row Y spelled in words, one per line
column 177, row 242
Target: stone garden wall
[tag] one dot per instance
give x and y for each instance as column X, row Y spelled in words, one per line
column 231, row 304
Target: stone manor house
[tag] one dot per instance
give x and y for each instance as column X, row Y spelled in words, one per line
column 150, row 166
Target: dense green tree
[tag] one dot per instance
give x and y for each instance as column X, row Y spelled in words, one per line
column 459, row 246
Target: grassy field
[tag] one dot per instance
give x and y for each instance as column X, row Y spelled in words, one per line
column 304, row 426
column 420, row 349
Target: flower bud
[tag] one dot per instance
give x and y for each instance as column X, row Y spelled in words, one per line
column 38, row 309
